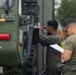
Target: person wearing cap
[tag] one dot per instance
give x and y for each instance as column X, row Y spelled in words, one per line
column 69, row 54
column 52, row 56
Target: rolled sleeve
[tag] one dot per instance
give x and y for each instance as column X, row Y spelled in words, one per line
column 69, row 44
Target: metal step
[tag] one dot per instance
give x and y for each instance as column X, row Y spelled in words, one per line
column 42, row 73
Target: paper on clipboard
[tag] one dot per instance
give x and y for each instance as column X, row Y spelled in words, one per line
column 57, row 47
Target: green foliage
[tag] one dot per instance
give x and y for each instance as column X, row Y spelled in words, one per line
column 66, row 10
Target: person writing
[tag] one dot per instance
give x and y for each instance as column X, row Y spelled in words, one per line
column 69, row 54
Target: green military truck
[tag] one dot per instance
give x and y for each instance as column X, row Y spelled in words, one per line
column 20, row 50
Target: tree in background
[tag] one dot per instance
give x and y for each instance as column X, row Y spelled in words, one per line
column 67, row 10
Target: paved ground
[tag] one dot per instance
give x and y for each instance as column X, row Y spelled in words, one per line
column 1, row 69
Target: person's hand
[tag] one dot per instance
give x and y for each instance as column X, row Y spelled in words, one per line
column 59, row 31
column 40, row 27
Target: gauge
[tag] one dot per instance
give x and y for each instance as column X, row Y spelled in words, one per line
column 3, row 2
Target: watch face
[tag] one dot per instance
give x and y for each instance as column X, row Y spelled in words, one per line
column 3, row 2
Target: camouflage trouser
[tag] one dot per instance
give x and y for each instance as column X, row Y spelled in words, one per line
column 70, row 73
column 68, row 68
column 51, row 66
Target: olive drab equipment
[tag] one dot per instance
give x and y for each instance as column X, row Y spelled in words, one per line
column 19, row 35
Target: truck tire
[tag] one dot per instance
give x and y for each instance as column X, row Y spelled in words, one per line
column 31, row 68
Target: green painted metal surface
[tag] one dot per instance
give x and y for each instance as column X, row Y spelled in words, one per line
column 9, row 53
column 47, row 11
column 8, row 49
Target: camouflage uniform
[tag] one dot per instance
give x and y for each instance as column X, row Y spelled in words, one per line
column 69, row 67
column 52, row 56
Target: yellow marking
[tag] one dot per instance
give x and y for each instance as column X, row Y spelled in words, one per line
column 19, row 48
column 2, row 20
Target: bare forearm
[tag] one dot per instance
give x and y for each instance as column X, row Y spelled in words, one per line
column 66, row 55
